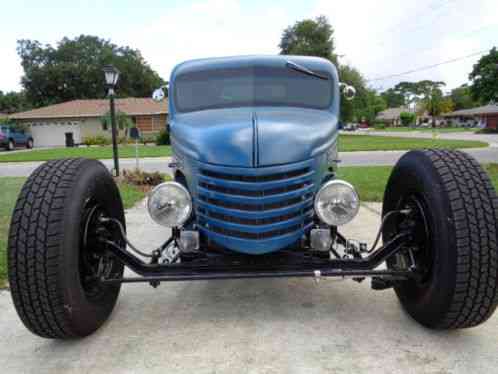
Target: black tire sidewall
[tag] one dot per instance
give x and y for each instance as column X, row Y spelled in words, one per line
column 93, row 181
column 415, row 175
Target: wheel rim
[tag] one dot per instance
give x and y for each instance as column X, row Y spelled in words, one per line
column 96, row 262
column 422, row 256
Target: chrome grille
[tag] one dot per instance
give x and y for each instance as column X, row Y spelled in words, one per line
column 255, row 204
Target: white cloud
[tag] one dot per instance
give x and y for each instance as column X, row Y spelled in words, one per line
column 380, row 37
column 209, row 28
column 386, row 37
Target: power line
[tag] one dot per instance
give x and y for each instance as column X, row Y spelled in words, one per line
column 427, row 67
column 463, row 35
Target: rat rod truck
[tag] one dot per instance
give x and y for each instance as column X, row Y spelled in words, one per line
column 255, row 195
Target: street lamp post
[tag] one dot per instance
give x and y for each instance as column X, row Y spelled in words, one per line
column 111, row 79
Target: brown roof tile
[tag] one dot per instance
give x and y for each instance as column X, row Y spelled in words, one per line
column 95, row 108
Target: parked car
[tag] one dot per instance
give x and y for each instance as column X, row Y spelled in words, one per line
column 255, row 195
column 12, row 137
column 351, row 127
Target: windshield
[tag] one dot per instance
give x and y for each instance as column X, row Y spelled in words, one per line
column 251, row 86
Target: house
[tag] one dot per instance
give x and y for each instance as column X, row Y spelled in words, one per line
column 79, row 119
column 391, row 116
column 484, row 116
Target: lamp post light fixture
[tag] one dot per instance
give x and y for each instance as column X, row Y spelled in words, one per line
column 111, row 79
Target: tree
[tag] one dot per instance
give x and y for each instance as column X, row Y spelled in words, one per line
column 447, row 105
column 73, row 70
column 432, row 98
column 309, row 38
column 393, row 98
column 350, row 110
column 123, row 122
column 484, row 77
column 12, row 102
column 314, row 37
column 462, row 98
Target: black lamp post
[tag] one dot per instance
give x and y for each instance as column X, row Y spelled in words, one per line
column 111, row 79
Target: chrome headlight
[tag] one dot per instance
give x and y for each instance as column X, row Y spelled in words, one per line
column 170, row 204
column 337, row 203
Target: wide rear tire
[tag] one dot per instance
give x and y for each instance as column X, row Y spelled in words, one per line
column 49, row 262
column 460, row 207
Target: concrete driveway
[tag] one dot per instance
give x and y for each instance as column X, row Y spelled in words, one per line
column 252, row 326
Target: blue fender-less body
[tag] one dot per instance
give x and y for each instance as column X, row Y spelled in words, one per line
column 253, row 168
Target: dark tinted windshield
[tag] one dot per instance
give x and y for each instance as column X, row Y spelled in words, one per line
column 253, row 86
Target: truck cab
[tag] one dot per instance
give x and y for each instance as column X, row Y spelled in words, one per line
column 253, row 139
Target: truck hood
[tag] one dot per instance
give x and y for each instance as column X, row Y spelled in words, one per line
column 253, row 137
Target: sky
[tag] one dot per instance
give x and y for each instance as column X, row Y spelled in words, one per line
column 380, row 38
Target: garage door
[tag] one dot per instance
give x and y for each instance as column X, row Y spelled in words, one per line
column 54, row 134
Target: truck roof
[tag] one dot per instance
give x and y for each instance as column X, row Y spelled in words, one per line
column 215, row 63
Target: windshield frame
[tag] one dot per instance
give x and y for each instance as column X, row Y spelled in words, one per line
column 255, row 101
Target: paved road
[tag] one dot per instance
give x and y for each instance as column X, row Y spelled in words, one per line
column 483, row 155
column 491, row 139
column 252, row 326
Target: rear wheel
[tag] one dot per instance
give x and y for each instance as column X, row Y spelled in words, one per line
column 29, row 144
column 55, row 260
column 454, row 210
column 10, row 145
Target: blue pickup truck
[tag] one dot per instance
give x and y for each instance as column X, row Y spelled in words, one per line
column 12, row 137
column 255, row 195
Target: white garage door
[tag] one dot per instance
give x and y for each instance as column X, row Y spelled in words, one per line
column 54, row 134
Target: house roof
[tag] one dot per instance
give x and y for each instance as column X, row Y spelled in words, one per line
column 486, row 109
column 95, row 108
column 391, row 113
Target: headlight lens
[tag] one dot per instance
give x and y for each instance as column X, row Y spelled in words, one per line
column 169, row 204
column 337, row 203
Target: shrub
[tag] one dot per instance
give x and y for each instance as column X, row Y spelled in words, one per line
column 125, row 140
column 407, row 118
column 96, row 140
column 142, row 178
column 148, row 139
column 163, row 138
column 379, row 125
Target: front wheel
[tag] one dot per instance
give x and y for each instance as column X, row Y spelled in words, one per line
column 55, row 260
column 10, row 145
column 29, row 144
column 454, row 211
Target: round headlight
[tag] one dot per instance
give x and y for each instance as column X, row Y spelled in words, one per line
column 169, row 204
column 337, row 203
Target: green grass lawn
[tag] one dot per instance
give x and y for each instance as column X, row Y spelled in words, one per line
column 370, row 181
column 347, row 143
column 99, row 153
column 427, row 129
column 10, row 187
column 351, row 143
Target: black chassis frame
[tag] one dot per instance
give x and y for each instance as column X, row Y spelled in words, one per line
column 285, row 263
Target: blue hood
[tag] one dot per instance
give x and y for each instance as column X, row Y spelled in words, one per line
column 253, row 137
